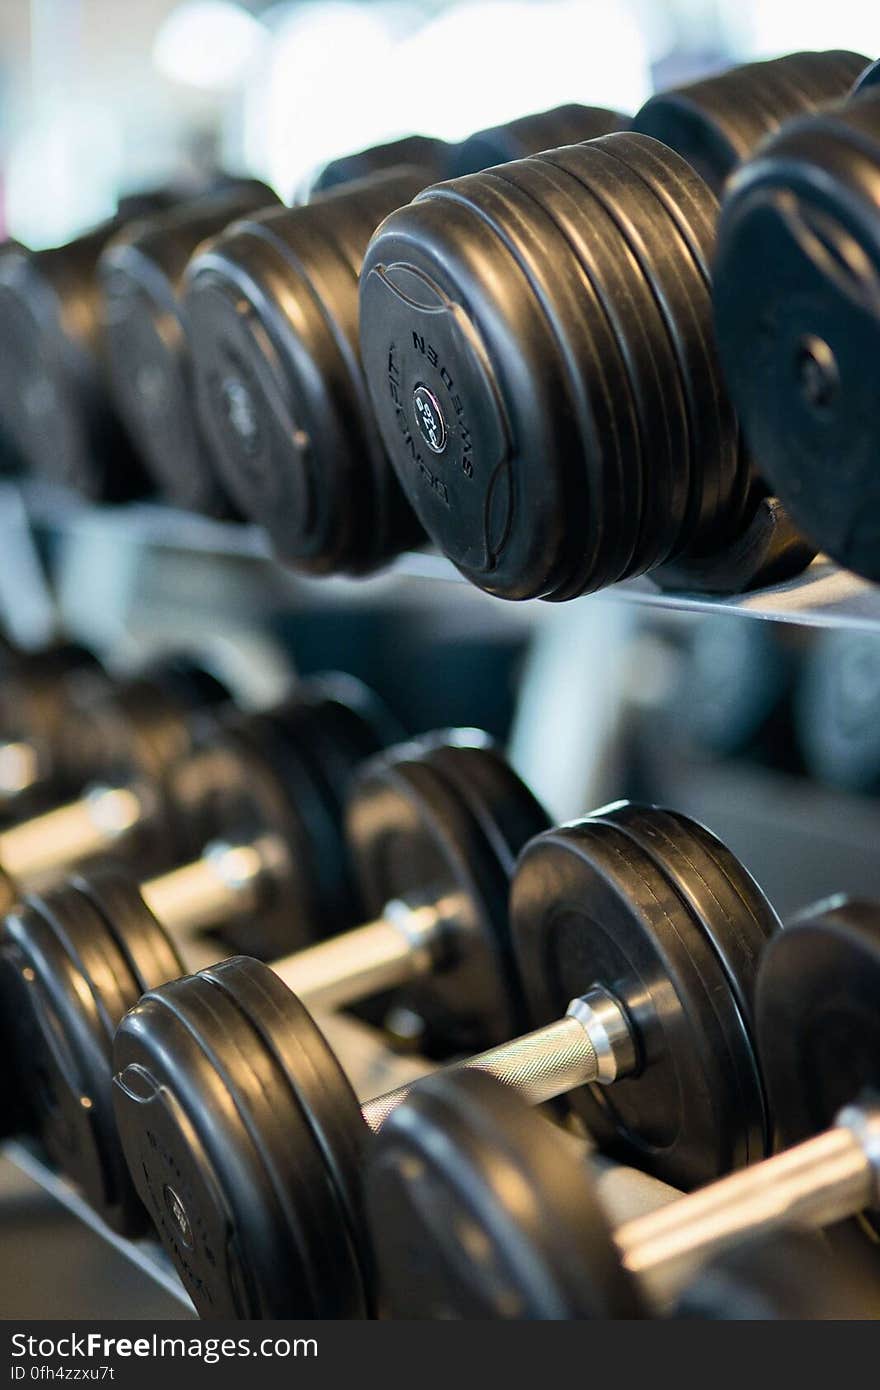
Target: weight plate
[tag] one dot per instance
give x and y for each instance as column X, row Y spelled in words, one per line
column 836, row 705
column 589, row 907
column 796, row 332
column 868, row 79
column 221, row 1154
column 603, row 404
column 53, row 397
column 420, row 151
column 467, row 392
column 241, row 1193
column 149, row 951
column 332, row 1113
column 630, row 301
column 272, row 308
column 478, row 1209
column 684, row 301
column 34, row 705
column 67, row 986
column 415, row 832
column 720, row 911
column 547, row 130
column 753, row 1281
column 140, row 273
column 817, row 1017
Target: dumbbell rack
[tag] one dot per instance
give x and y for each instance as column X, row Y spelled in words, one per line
column 824, row 596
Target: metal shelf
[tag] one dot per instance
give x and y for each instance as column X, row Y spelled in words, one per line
column 823, row 596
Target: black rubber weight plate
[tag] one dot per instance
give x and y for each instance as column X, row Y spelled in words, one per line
column 414, row 831
column 628, row 298
column 606, row 436
column 70, row 988
column 148, row 949
column 723, row 916
column 223, row 1156
column 453, row 1237
column 543, row 197
column 588, row 907
column 818, row 1015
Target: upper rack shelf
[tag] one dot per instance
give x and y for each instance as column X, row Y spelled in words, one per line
column 823, row 596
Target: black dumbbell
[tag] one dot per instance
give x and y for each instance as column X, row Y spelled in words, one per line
column 539, row 348
column 37, row 757
column 796, row 295
column 434, row 1201
column 140, row 273
column 272, row 307
column 546, row 130
column 236, row 1118
column 53, row 392
column 423, row 152
column 720, row 121
column 272, row 786
column 129, row 740
column 869, row 78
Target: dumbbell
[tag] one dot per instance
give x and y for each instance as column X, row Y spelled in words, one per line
column 272, row 310
column 271, row 786
column 546, row 130
column 53, row 395
column 796, row 286
column 538, row 344
column 37, row 758
column 720, row 121
column 445, row 1174
column 415, row 151
column 244, row 1138
column 130, row 737
column 140, row 273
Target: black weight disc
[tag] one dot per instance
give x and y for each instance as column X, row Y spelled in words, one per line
column 588, row 907
column 53, row 396
column 817, row 1016
column 418, row 151
column 478, row 1209
column 602, row 401
column 737, row 934
column 149, row 951
column 789, row 1275
column 272, row 311
column 683, row 297
column 869, row 79
column 796, row 288
column 836, row 704
column 34, row 705
column 433, row 821
column 67, row 986
column 629, row 300
column 547, row 130
column 141, row 273
column 243, row 1195
column 450, row 325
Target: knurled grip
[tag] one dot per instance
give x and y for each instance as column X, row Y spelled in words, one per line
column 538, row 1066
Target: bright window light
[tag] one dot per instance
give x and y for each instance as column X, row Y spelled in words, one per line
column 209, row 44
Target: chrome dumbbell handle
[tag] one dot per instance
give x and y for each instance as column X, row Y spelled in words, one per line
column 21, row 768
column 811, row 1185
column 93, row 824
column 592, row 1043
column 398, row 947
